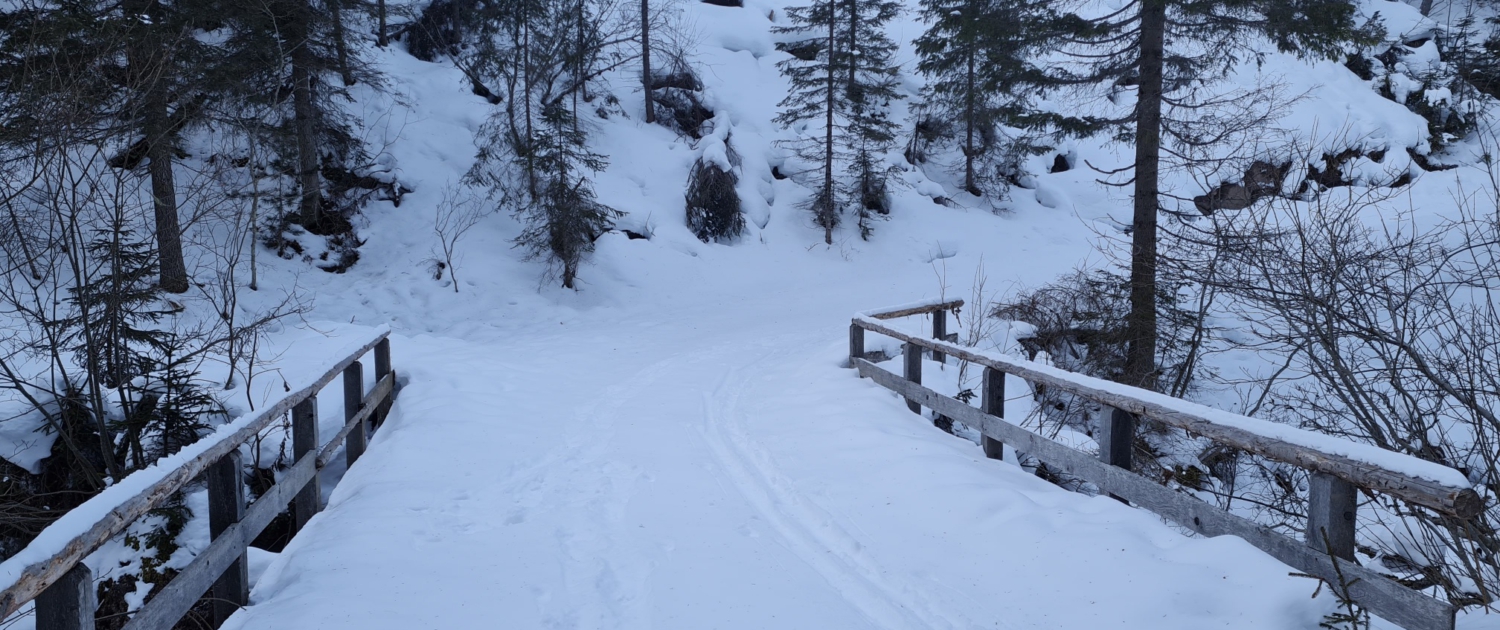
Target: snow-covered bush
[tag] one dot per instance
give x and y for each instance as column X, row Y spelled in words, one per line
column 713, row 204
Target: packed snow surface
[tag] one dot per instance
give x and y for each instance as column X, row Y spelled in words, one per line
column 719, row 469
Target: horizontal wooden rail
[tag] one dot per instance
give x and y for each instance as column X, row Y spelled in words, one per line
column 919, row 308
column 1338, row 467
column 367, row 407
column 1438, row 487
column 56, row 558
column 1380, row 594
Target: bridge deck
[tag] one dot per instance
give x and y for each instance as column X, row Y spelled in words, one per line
column 748, row 483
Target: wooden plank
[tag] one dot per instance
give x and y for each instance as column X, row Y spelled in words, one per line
column 1459, row 501
column 919, row 310
column 1117, row 439
column 383, row 368
column 856, row 343
column 1331, row 505
column 939, row 332
column 226, row 506
column 179, row 595
column 69, row 603
column 992, row 402
column 354, row 391
column 378, row 396
column 37, row 577
column 1380, row 594
column 304, row 445
column 911, row 358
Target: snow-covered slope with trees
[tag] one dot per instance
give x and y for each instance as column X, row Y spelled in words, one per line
column 645, row 420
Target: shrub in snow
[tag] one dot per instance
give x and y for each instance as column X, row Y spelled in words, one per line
column 713, row 205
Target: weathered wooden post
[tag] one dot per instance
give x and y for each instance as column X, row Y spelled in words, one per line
column 305, row 444
column 1117, row 438
column 1331, row 504
column 68, row 604
column 382, row 368
column 226, row 506
column 911, row 357
column 992, row 401
column 856, row 343
column 940, row 333
column 354, row 393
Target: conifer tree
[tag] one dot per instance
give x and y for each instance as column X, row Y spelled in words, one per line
column 112, row 331
column 533, row 154
column 842, row 76
column 976, row 56
column 871, row 89
column 295, row 46
column 127, row 71
column 814, row 73
column 1162, row 50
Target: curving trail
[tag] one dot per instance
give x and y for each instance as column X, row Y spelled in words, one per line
column 621, row 477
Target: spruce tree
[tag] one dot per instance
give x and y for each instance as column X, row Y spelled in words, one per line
column 842, row 76
column 126, row 73
column 533, row 154
column 871, row 89
column 1163, row 50
column 112, row 329
column 295, row 47
column 976, row 55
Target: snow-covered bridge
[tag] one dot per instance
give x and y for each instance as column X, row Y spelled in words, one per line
column 736, row 477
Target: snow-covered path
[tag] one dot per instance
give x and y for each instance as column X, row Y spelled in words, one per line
column 688, row 473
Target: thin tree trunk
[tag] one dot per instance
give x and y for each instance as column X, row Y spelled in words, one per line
column 174, row 278
column 149, row 63
column 311, row 205
column 1426, row 8
column 828, row 206
column 254, row 216
column 1140, row 324
column 853, row 24
column 526, row 92
column 646, row 60
column 381, row 39
column 969, row 119
column 341, row 48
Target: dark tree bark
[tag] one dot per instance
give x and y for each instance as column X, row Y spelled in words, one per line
column 853, row 32
column 381, row 39
column 174, row 278
column 1140, row 324
column 969, row 115
column 646, row 60
column 311, row 205
column 150, row 65
column 828, row 200
column 341, row 47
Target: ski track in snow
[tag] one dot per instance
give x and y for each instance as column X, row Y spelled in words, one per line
column 811, row 532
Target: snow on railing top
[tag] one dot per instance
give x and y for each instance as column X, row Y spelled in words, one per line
column 913, row 308
column 83, row 529
column 1416, row 480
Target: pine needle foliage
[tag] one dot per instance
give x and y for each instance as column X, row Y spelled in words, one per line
column 843, row 77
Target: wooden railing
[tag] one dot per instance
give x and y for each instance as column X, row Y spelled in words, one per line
column 1338, row 467
column 51, row 572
